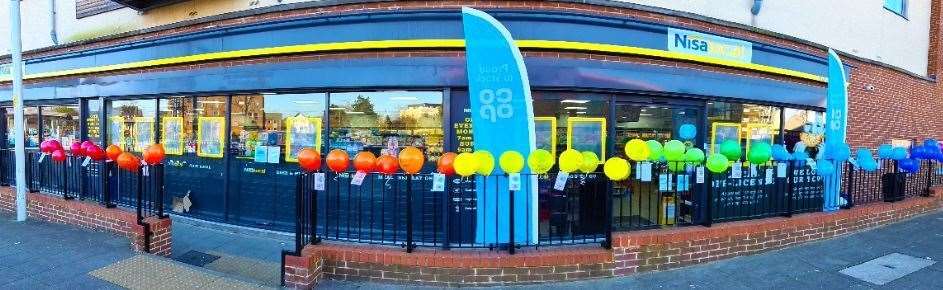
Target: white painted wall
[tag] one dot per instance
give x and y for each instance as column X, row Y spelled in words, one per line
column 860, row 27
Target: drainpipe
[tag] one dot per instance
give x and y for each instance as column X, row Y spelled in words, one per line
column 52, row 23
column 755, row 10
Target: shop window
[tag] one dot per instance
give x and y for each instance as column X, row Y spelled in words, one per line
column 565, row 121
column 899, row 7
column 652, row 122
column 60, row 123
column 31, row 128
column 93, row 121
column 176, row 125
column 210, row 126
column 271, row 128
column 805, row 128
column 385, row 122
column 131, row 124
column 746, row 123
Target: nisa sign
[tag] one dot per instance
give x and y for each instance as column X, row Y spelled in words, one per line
column 687, row 41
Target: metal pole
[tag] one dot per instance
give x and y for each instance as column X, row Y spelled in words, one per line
column 17, row 72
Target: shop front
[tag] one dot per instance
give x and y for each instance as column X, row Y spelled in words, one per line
column 232, row 128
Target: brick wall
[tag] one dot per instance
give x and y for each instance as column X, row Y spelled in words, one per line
column 94, row 217
column 632, row 252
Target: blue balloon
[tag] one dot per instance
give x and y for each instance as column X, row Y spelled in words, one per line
column 899, row 153
column 838, row 152
column 885, row 151
column 800, row 157
column 909, row 165
column 687, row 131
column 917, row 152
column 780, row 153
column 930, row 142
column 825, row 168
column 865, row 160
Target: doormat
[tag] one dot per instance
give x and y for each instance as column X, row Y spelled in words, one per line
column 197, row 258
column 886, row 269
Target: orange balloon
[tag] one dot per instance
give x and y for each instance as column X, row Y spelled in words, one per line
column 387, row 164
column 446, row 164
column 113, row 151
column 128, row 161
column 365, row 161
column 309, row 159
column 338, row 160
column 411, row 160
column 154, row 154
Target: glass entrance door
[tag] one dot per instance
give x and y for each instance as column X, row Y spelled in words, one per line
column 665, row 195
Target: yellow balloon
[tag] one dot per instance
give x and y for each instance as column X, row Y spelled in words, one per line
column 571, row 160
column 511, row 162
column 637, row 150
column 485, row 162
column 590, row 162
column 540, row 161
column 616, row 169
column 465, row 164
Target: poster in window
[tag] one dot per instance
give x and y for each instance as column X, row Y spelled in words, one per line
column 301, row 132
column 116, row 131
column 172, row 135
column 721, row 132
column 587, row 134
column 210, row 134
column 545, row 131
column 759, row 133
column 143, row 133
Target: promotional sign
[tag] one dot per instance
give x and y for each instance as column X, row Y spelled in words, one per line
column 500, row 102
column 210, row 135
column 686, row 41
column 172, row 135
column 836, row 119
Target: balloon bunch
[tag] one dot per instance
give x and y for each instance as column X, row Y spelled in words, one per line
column 54, row 149
column 865, row 160
column 153, row 154
column 410, row 160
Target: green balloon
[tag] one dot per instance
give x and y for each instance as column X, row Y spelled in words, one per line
column 674, row 150
column 760, row 153
column 731, row 149
column 717, row 163
column 694, row 156
column 654, row 149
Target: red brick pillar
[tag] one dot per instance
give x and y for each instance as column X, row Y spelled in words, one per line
column 303, row 272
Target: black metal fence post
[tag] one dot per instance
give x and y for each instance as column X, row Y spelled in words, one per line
column 106, row 171
column 65, row 180
column 409, row 213
column 158, row 176
column 709, row 205
column 607, row 226
column 299, row 213
column 511, row 246
column 926, row 192
column 849, row 186
column 790, row 187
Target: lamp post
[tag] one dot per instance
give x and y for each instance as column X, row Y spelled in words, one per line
column 17, row 73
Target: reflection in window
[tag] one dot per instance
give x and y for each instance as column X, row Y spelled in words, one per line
column 210, row 126
column 31, row 120
column 560, row 108
column 746, row 122
column 263, row 125
column 93, row 122
column 806, row 126
column 60, row 123
column 131, row 124
column 385, row 122
column 176, row 125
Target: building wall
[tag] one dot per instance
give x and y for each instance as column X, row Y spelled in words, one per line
column 867, row 30
column 862, row 28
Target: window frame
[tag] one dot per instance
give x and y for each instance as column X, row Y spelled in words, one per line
column 903, row 9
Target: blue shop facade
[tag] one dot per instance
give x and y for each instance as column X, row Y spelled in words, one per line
column 234, row 105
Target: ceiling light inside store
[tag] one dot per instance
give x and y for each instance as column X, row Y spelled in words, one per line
column 645, row 115
column 575, row 101
column 575, row 108
column 581, row 113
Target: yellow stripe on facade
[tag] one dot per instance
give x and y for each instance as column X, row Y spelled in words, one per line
column 425, row 44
